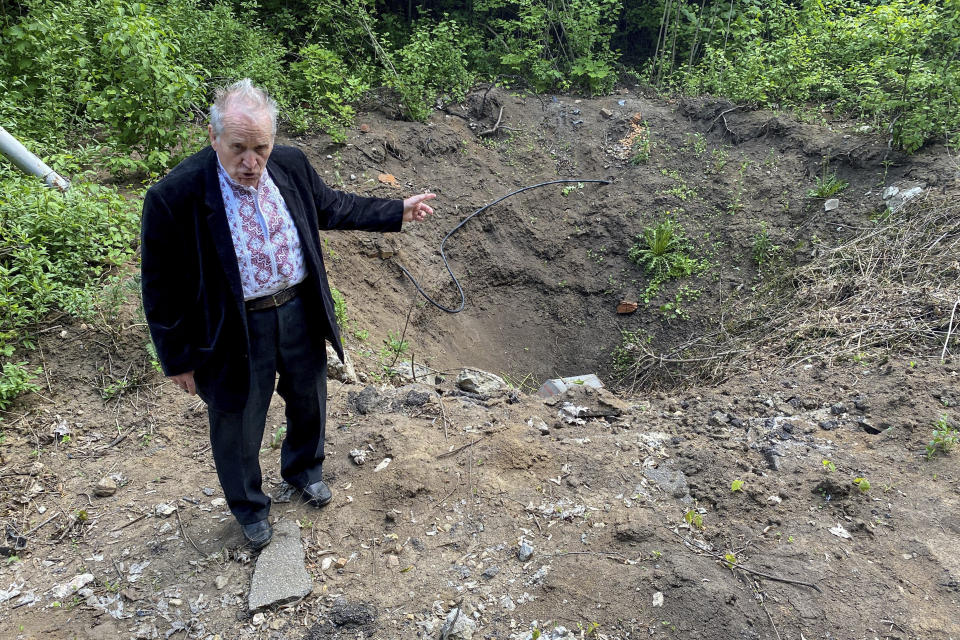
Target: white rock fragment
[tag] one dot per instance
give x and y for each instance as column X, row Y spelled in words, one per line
column 69, row 588
column 383, row 465
column 163, row 510
column 840, row 532
column 831, row 204
column 658, row 599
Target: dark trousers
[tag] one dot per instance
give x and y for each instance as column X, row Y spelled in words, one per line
column 279, row 343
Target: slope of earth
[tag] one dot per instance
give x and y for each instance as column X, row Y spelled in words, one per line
column 727, row 511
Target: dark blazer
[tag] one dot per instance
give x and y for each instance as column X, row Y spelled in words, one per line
column 192, row 295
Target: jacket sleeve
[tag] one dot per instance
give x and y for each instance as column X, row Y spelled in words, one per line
column 169, row 286
column 340, row 210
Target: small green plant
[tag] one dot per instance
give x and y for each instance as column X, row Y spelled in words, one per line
column 694, row 519
column 862, row 483
column 570, row 188
column 393, row 347
column 718, row 160
column 663, row 251
column 339, row 308
column 827, row 185
column 736, row 485
column 277, row 439
column 730, row 559
column 764, row 251
column 829, row 466
column 640, row 148
column 675, row 309
column 945, row 436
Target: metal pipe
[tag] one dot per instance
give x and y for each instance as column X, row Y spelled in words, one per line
column 29, row 163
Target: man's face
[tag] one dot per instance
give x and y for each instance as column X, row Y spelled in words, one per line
column 244, row 145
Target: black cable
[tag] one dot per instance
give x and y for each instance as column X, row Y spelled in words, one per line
column 463, row 299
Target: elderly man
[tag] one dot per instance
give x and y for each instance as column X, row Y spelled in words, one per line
column 235, row 292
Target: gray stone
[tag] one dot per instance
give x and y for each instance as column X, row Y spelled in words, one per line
column 838, row 409
column 556, row 386
column 606, row 113
column 280, row 576
column 490, row 572
column 673, row 482
column 900, row 200
column 481, row 382
column 831, row 204
column 458, row 626
column 890, row 191
column 368, row 401
column 525, row 552
column 337, row 370
column 719, row 419
column 409, row 372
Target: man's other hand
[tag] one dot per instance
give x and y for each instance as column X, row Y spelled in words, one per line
column 185, row 382
column 414, row 209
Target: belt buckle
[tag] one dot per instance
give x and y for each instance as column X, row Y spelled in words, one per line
column 273, row 297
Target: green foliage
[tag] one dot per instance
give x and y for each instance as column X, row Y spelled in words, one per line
column 894, row 63
column 632, row 345
column 829, row 466
column 692, row 518
column 827, row 185
column 431, row 64
column 15, row 378
column 339, row 308
column 393, row 347
column 945, row 436
column 325, row 90
column 736, row 485
column 54, row 251
column 664, row 252
column 764, row 251
column 863, row 484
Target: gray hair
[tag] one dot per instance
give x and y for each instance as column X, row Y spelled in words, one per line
column 242, row 93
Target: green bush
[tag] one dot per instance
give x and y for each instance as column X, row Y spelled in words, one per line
column 325, row 90
column 431, row 64
column 14, row 380
column 894, row 63
column 54, row 248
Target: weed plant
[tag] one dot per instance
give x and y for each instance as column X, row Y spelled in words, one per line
column 945, row 437
column 827, row 186
column 663, row 252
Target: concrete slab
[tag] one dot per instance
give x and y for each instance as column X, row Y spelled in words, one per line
column 280, row 576
column 556, row 386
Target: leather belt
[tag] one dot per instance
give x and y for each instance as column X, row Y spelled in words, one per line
column 273, row 300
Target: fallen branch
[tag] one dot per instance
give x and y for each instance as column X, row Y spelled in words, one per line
column 734, row 565
column 495, row 126
column 949, row 330
column 447, row 454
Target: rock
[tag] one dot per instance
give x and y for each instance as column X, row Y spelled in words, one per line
column 175, row 602
column 340, row 563
column 900, row 200
column 831, row 204
column 718, row 419
column 358, row 456
column 490, row 572
column 772, row 456
column 348, row 614
column 507, row 602
column 368, row 401
column 164, row 510
column 890, row 191
column 383, row 465
column 410, row 372
column 590, row 402
column 106, row 486
column 364, row 128
column 838, row 409
column 606, row 113
column 416, row 398
column 539, row 425
column 326, row 563
column 337, row 370
column 828, row 425
column 658, row 599
column 673, row 482
column 458, row 625
column 525, row 551
column 258, row 619
column 556, row 386
column 774, row 499
column 627, row 306
column 480, row 382
column 207, row 491
column 61, row 591
column 218, row 502
column 280, row 576
column 393, row 561
column 221, row 582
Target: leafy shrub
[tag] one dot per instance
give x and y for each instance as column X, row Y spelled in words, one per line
column 893, row 62
column 663, row 251
column 325, row 90
column 14, row 380
column 431, row 64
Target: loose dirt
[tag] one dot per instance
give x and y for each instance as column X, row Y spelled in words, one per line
column 711, row 506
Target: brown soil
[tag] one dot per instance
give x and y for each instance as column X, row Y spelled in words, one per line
column 603, row 504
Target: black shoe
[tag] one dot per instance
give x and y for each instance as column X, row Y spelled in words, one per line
column 258, row 534
column 317, row 494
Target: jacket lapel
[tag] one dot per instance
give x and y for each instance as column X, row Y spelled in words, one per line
column 220, row 231
column 292, row 199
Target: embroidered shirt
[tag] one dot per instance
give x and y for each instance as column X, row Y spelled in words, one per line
column 264, row 237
